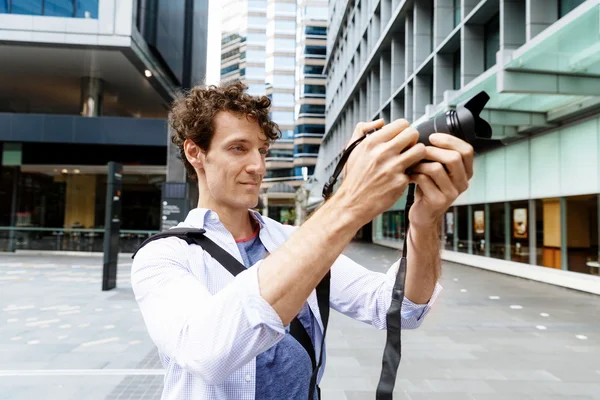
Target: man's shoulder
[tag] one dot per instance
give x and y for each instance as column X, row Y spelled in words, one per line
column 273, row 225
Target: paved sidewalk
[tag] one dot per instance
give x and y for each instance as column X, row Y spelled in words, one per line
column 490, row 336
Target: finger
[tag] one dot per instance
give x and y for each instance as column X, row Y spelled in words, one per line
column 453, row 161
column 430, row 191
column 389, row 131
column 450, row 142
column 407, row 138
column 363, row 127
column 440, row 177
column 410, row 157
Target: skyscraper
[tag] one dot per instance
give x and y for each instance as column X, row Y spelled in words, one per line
column 277, row 47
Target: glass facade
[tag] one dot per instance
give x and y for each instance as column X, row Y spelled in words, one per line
column 54, row 8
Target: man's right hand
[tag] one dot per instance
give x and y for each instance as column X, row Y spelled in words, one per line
column 375, row 174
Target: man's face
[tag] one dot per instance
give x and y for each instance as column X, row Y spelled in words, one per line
column 234, row 165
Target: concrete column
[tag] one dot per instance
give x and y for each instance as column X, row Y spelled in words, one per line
column 487, row 221
column 443, row 23
column 472, row 55
column 470, row 229
column 455, row 235
column 385, row 76
column 408, row 102
column 92, row 90
column 507, row 231
column 421, row 94
column 564, row 244
column 539, row 14
column 363, row 104
column 408, row 46
column 422, row 31
column 532, row 233
column 398, row 62
column 442, row 80
column 386, row 13
column 512, row 24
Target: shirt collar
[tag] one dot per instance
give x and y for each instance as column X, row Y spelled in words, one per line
column 200, row 217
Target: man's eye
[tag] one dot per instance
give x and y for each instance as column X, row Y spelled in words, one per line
column 264, row 152
column 237, row 148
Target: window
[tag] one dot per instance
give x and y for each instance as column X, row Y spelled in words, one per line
column 279, row 173
column 283, row 117
column 313, row 69
column 300, row 171
column 229, row 69
column 86, row 9
column 566, row 6
column 257, row 21
column 312, row 109
column 257, row 4
column 582, row 234
column 287, row 133
column 491, row 41
column 283, row 25
column 256, row 37
column 285, row 7
column 282, row 153
column 315, row 51
column 255, row 55
column 315, row 12
column 256, row 90
column 313, row 91
column 462, row 229
column 315, row 30
column 310, row 129
column 282, row 99
column 306, row 149
column 59, row 8
column 281, row 63
column 282, row 44
column 27, row 7
column 283, row 81
column 255, row 72
column 497, row 231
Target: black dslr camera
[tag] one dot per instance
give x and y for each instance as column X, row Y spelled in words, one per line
column 464, row 123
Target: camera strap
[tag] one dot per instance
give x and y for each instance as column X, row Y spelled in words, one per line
column 393, row 346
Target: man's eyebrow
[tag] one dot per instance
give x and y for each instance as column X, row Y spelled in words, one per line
column 242, row 140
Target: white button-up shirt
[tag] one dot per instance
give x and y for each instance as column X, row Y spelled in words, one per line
column 209, row 326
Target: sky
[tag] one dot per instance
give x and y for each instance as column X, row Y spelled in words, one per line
column 213, row 51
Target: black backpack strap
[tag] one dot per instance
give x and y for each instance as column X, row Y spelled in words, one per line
column 187, row 234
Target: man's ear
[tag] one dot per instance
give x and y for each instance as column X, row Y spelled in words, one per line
column 194, row 154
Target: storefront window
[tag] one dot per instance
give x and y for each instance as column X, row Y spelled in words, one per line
column 582, row 234
column 478, row 229
column 449, row 231
column 462, row 228
column 519, row 231
column 497, row 227
column 393, row 225
column 548, row 234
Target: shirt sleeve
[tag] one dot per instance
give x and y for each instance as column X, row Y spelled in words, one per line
column 366, row 295
column 210, row 336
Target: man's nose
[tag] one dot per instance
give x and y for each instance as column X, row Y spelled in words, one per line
column 257, row 164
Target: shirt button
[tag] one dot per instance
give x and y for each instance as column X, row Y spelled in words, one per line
column 247, row 377
column 214, row 217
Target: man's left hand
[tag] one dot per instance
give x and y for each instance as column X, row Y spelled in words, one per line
column 441, row 181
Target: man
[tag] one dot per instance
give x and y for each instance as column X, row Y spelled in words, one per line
column 225, row 337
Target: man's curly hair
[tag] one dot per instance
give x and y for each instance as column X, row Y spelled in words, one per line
column 192, row 115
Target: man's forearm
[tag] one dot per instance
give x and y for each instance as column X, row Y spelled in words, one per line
column 423, row 263
column 288, row 276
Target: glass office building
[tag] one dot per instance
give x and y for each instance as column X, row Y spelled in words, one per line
column 83, row 83
column 277, row 48
column 533, row 202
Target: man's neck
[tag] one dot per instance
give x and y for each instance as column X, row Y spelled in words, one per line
column 238, row 222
